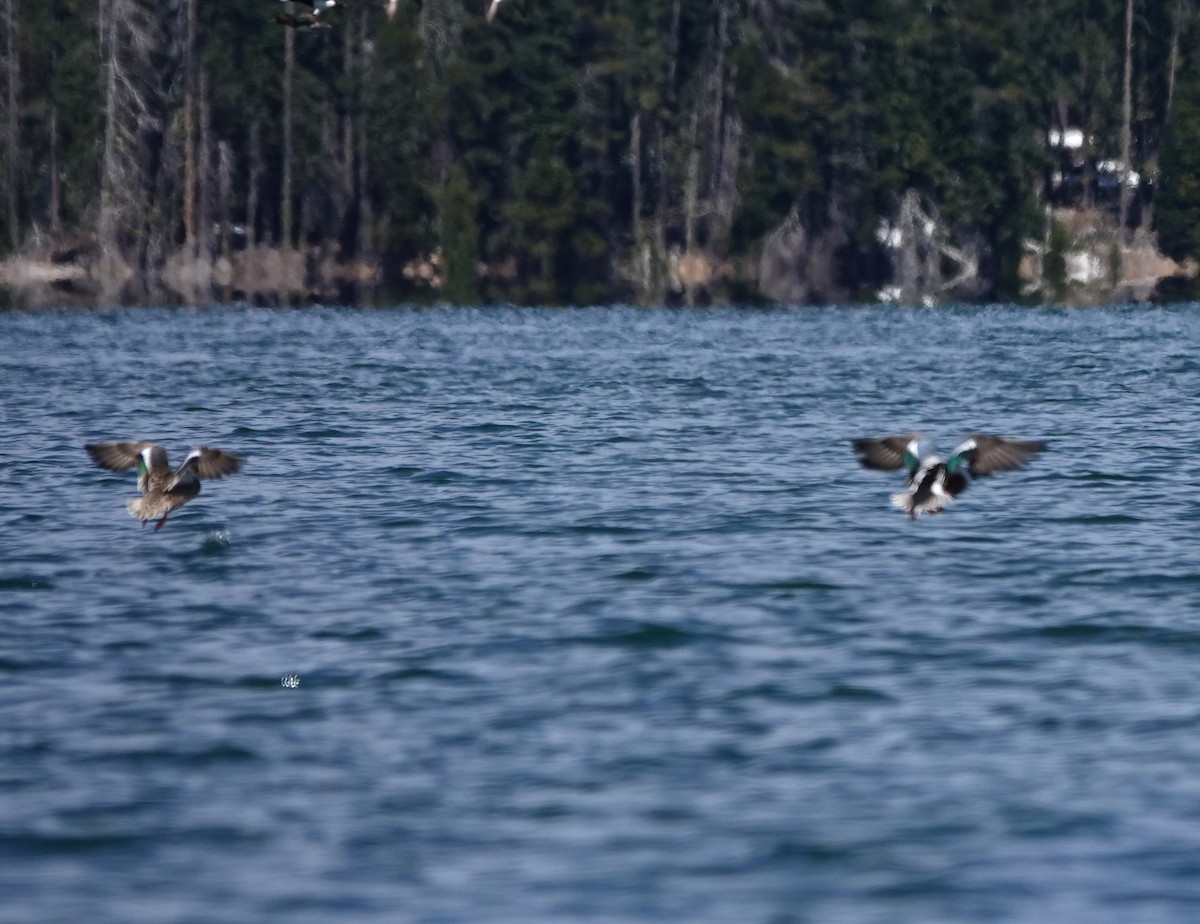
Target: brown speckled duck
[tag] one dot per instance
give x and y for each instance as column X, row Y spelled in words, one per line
column 163, row 488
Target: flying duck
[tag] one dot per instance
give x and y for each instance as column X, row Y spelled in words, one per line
column 163, row 488
column 492, row 10
column 300, row 15
column 933, row 483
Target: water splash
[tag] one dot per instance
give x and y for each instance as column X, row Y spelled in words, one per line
column 216, row 541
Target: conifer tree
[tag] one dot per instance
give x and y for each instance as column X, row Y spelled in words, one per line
column 460, row 239
column 1177, row 200
column 12, row 154
column 397, row 150
column 626, row 130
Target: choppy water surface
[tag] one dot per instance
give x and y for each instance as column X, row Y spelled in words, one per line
column 594, row 619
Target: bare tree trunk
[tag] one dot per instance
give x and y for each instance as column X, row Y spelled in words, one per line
column 691, row 204
column 725, row 142
column 204, row 166
column 642, row 268
column 673, row 47
column 353, row 74
column 440, row 25
column 691, row 183
column 139, row 216
column 224, row 196
column 635, row 172
column 55, row 206
column 285, row 199
column 1126, row 126
column 1181, row 17
column 106, row 225
column 364, row 244
column 189, row 131
column 253, row 183
column 12, row 123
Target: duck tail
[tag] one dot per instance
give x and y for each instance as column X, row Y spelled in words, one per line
column 903, row 500
column 907, row 502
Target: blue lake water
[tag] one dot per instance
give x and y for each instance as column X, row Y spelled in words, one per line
column 594, row 618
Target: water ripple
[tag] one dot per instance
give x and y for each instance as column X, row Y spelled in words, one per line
column 591, row 616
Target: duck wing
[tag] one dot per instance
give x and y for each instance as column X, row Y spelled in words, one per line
column 208, row 462
column 118, row 455
column 985, row 454
column 887, row 453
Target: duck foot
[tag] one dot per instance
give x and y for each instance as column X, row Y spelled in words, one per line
column 160, row 523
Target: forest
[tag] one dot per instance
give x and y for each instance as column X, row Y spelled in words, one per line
column 569, row 152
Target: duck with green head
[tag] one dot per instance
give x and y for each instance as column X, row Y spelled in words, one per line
column 163, row 488
column 932, row 483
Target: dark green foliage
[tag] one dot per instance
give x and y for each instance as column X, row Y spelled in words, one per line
column 567, row 152
column 1054, row 266
column 1177, row 203
column 460, row 239
column 61, row 111
column 398, row 98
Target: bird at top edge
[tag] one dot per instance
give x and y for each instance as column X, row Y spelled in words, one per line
column 932, row 483
column 163, row 488
column 303, row 15
column 492, row 10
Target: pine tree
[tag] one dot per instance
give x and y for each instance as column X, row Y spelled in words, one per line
column 11, row 156
column 1177, row 200
column 400, row 91
column 460, row 239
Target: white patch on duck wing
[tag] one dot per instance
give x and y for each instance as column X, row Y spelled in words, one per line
column 117, row 455
column 888, row 453
column 918, row 475
column 209, row 462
